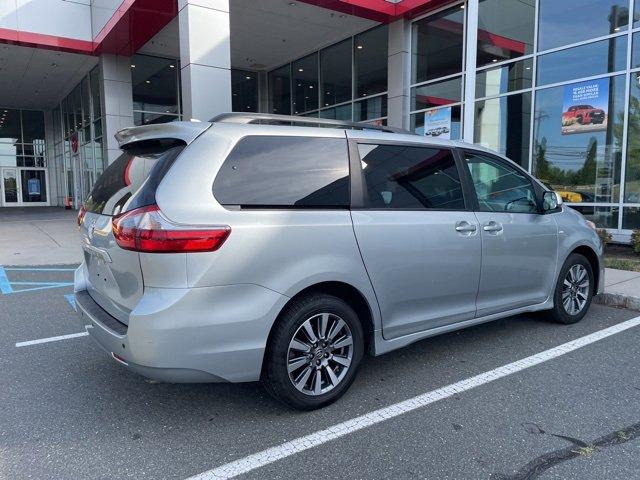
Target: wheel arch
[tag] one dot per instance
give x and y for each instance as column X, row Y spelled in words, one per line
column 350, row 294
column 590, row 254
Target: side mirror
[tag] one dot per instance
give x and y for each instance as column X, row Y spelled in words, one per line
column 551, row 201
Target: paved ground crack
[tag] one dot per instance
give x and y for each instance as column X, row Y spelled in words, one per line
column 539, row 465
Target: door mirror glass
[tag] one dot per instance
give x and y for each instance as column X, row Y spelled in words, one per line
column 551, row 201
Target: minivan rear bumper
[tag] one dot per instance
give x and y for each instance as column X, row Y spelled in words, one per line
column 174, row 335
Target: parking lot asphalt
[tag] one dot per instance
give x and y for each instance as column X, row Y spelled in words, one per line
column 69, row 411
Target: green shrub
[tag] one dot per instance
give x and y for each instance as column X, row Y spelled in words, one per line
column 605, row 237
column 635, row 241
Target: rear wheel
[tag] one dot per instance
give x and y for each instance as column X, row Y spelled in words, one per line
column 574, row 290
column 314, row 352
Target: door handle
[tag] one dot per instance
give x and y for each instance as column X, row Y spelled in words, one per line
column 465, row 227
column 492, row 227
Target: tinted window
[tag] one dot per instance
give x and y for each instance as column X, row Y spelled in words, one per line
column 285, row 172
column 563, row 22
column 505, row 30
column 438, row 44
column 500, row 187
column 401, row 177
column 126, row 176
column 583, row 61
column 371, row 61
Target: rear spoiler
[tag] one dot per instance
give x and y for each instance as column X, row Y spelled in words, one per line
column 186, row 132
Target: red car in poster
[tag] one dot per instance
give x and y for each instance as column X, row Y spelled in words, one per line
column 585, row 114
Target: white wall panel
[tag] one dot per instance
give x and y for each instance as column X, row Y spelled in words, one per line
column 59, row 18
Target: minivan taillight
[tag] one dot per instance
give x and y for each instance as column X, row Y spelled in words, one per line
column 81, row 215
column 145, row 229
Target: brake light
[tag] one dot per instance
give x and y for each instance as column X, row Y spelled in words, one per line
column 81, row 215
column 145, row 229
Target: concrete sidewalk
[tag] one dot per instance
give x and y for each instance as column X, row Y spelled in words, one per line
column 621, row 289
column 38, row 236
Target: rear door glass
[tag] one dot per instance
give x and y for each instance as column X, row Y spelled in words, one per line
column 407, row 177
column 285, row 172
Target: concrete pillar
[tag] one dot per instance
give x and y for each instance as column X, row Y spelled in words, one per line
column 205, row 58
column 399, row 76
column 117, row 97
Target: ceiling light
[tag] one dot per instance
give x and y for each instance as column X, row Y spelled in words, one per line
column 299, row 84
column 301, row 69
column 462, row 7
column 172, row 66
column 527, row 68
column 133, row 66
column 147, row 81
column 617, row 29
column 248, row 77
column 311, row 86
column 359, row 47
column 494, row 60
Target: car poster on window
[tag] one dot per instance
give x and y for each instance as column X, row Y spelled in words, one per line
column 585, row 107
column 437, row 123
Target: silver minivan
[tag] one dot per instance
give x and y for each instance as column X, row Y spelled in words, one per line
column 263, row 247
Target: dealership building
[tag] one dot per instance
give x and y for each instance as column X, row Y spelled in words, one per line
column 554, row 85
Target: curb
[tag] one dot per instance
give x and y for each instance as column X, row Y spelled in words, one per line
column 618, row 300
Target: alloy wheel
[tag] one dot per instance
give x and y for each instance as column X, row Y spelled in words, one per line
column 575, row 289
column 320, row 354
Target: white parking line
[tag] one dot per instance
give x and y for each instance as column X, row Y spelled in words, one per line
column 51, row 339
column 301, row 444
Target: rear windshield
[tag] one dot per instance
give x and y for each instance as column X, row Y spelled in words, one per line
column 132, row 179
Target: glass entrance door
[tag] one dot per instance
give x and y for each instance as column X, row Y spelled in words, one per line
column 10, row 187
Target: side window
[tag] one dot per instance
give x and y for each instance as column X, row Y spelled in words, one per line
column 403, row 177
column 285, row 172
column 500, row 187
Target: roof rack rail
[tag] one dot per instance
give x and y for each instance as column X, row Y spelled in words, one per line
column 273, row 119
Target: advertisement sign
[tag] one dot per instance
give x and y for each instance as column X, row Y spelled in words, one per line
column 33, row 186
column 437, row 123
column 585, row 106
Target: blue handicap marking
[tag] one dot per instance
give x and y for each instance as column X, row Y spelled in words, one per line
column 7, row 287
column 71, row 298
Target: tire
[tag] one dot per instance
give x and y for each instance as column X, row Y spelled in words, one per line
column 329, row 355
column 568, row 312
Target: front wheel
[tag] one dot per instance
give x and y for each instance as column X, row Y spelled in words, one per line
column 574, row 290
column 314, row 352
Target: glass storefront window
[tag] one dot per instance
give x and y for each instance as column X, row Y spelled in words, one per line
column 437, row 94
column 86, row 95
column 438, row 45
column 503, row 124
column 34, row 186
column 505, row 30
column 371, row 61
column 566, row 22
column 10, row 131
column 584, row 61
column 305, row 84
column 577, row 148
column 154, row 84
column 370, row 108
column 506, row 78
column 94, row 78
column 280, row 90
column 335, row 73
column 244, row 91
column 341, row 112
column 631, row 218
column 632, row 174
column 455, row 130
